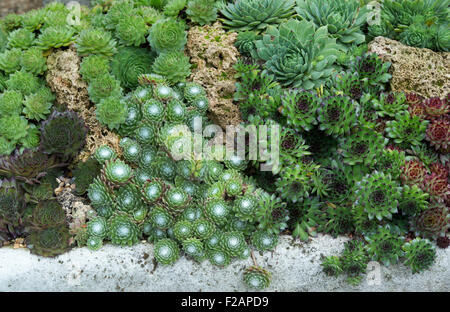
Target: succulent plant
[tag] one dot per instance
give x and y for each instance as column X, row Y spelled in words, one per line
column 433, row 222
column 97, row 227
column 413, row 172
column 95, row 41
column 437, row 186
column 173, row 66
column 28, row 166
column 48, row 213
column 24, row 82
column 420, row 254
column 10, row 60
column 373, row 72
column 131, row 30
column 337, row 115
column 385, row 246
column 202, row 12
column 173, row 7
column 167, row 35
column 12, row 203
column 33, row 61
column 63, row 134
column 94, row 243
column 218, row 257
column 406, row 129
column 233, row 243
column 111, row 111
column 21, row 38
column 104, row 86
column 167, row 251
column 364, row 146
column 300, row 108
column 49, row 242
column 297, row 53
column 104, row 153
column 129, row 63
column 332, row 266
column 193, row 247
column 257, row 277
column 263, row 240
column 117, row 171
column 11, row 103
column 218, row 211
column 413, row 200
column 438, row 134
column 122, row 230
column 378, row 195
column 55, row 37
column 244, row 15
column 94, row 66
column 344, row 19
column 37, row 105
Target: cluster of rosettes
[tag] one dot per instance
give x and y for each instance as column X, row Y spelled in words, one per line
column 207, row 209
column 437, row 112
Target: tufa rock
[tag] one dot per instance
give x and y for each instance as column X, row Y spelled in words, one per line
column 213, row 54
column 64, row 78
column 418, row 70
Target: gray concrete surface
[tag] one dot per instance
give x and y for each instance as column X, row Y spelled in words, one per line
column 295, row 267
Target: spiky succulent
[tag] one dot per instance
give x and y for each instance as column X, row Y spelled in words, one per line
column 10, row 60
column 167, row 251
column 129, row 63
column 167, row 35
column 55, row 37
column 413, row 200
column 104, row 153
column 94, row 66
column 33, row 61
column 438, row 134
column 13, row 127
column 272, row 214
column 24, row 82
column 373, row 72
column 257, row 277
column 363, row 146
column 99, row 195
column 95, row 41
column 94, row 243
column 437, row 186
column 11, row 103
column 297, row 53
column 300, row 108
column 413, row 172
column 344, row 19
column 103, row 87
column 254, row 14
column 406, row 129
column 263, row 240
column 128, row 199
column 161, row 218
column 63, row 134
column 111, row 111
column 97, row 227
column 12, row 204
column 37, row 105
column 201, row 12
column 131, row 30
column 354, row 261
column 48, row 213
column 117, row 171
column 420, row 254
column 385, row 246
column 49, row 242
column 218, row 211
column 122, row 230
column 337, row 115
column 173, row 66
column 378, row 195
column 233, row 243
column 433, row 222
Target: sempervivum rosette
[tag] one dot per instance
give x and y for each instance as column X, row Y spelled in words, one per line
column 63, row 134
column 122, row 230
column 129, row 63
column 432, row 222
column 438, row 134
column 255, row 14
column 297, row 54
column 167, row 35
column 257, row 278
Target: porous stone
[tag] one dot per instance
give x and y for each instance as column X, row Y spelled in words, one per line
column 18, row 6
column 295, row 266
column 418, row 70
column 213, row 54
column 64, row 78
